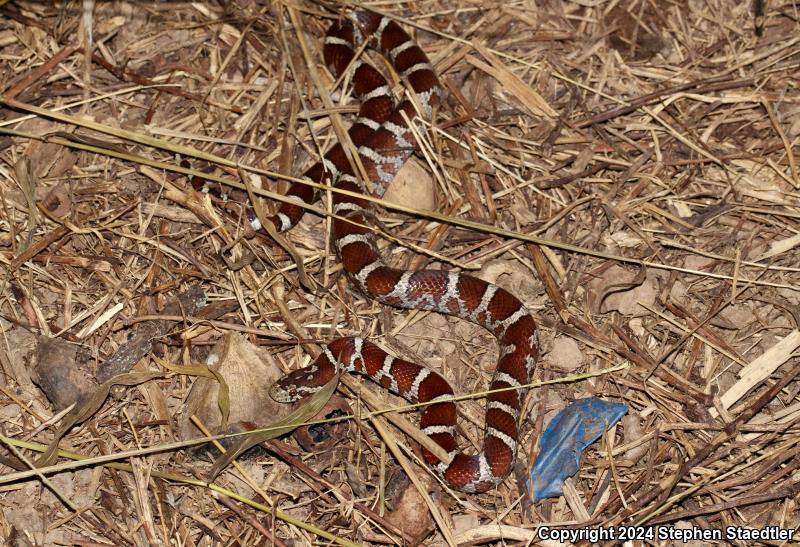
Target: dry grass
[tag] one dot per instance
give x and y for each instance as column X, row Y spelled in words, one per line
column 639, row 157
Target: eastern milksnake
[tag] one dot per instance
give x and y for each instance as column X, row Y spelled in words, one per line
column 384, row 143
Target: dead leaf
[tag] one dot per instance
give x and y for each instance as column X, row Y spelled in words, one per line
column 57, row 201
column 565, row 354
column 633, row 430
column 302, row 415
column 412, row 187
column 323, row 436
column 85, row 408
column 58, row 373
column 409, row 510
column 513, row 276
column 231, row 387
column 622, row 289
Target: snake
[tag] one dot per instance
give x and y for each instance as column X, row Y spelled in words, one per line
column 383, row 133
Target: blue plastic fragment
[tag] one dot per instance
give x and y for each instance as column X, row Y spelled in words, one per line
column 566, row 437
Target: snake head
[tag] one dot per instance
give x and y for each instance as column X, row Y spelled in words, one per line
column 284, row 391
column 296, row 385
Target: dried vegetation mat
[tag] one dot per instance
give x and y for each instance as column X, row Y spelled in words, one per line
column 628, row 169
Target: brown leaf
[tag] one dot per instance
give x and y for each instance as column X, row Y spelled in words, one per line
column 409, row 509
column 231, row 387
column 58, row 373
column 85, row 408
column 322, row 436
column 302, row 415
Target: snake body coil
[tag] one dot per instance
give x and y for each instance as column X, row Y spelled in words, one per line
column 384, row 143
